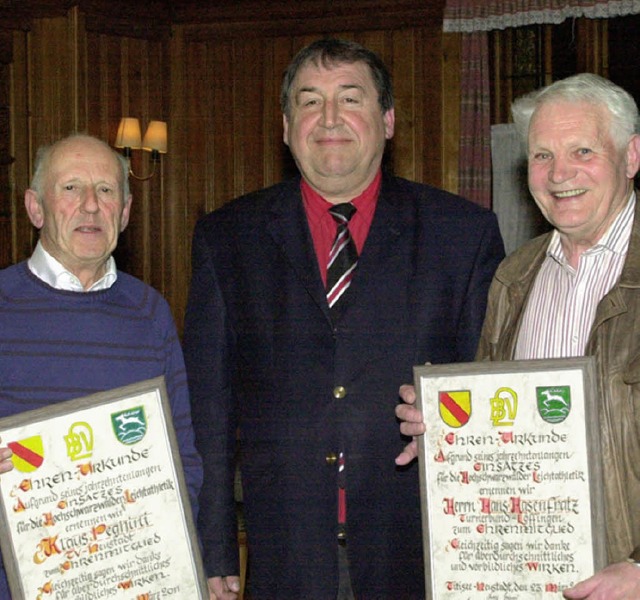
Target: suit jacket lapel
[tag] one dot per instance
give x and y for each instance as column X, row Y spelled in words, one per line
column 380, row 247
column 289, row 228
column 385, row 230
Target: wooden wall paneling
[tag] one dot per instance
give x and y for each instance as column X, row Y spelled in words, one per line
column 101, row 92
column 44, row 95
column 269, row 113
column 450, row 98
column 419, row 106
column 201, row 147
column 195, row 122
column 152, row 81
column 223, row 135
column 178, row 193
column 159, row 89
column 248, row 115
column 23, row 233
column 52, row 84
column 142, row 84
column 148, row 76
column 126, row 78
column 130, row 255
column 400, row 58
column 77, row 53
column 593, row 49
column 114, row 97
column 545, row 61
column 434, row 94
column 278, row 53
column 284, row 166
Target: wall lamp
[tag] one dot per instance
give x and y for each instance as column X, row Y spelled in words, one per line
column 155, row 141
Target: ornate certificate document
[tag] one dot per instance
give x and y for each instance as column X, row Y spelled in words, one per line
column 96, row 505
column 510, row 478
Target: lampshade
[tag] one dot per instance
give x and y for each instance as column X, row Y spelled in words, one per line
column 128, row 133
column 156, row 137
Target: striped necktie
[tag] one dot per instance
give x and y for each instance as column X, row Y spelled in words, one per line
column 343, row 257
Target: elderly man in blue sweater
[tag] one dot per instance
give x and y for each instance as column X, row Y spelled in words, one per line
column 71, row 324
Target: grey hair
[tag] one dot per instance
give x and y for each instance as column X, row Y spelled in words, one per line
column 585, row 87
column 44, row 154
column 330, row 52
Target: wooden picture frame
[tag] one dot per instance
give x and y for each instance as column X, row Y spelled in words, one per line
column 97, row 505
column 510, row 477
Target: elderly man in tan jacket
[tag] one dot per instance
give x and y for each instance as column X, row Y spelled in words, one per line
column 576, row 290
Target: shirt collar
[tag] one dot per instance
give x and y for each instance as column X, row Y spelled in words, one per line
column 317, row 206
column 53, row 273
column 615, row 239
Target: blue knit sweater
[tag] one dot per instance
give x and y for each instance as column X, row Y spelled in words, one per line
column 58, row 345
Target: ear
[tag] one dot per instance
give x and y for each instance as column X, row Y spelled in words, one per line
column 124, row 218
column 633, row 156
column 285, row 129
column 34, row 208
column 389, row 123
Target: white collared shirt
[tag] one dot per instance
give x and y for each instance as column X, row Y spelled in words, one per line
column 52, row 272
column 563, row 300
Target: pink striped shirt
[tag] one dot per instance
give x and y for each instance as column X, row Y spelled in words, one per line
column 563, row 301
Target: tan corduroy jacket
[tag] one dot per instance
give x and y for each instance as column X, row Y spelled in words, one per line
column 615, row 342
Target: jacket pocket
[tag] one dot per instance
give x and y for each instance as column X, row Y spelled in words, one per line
column 631, row 371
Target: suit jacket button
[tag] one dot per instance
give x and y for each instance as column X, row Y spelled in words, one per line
column 331, row 458
column 339, row 392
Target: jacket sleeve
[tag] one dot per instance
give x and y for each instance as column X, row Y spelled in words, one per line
column 208, row 344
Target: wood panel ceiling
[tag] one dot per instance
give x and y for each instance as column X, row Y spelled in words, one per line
column 227, row 18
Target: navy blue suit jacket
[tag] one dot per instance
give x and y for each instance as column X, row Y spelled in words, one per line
column 263, row 359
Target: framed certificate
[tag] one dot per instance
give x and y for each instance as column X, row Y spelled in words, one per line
column 96, row 505
column 510, row 478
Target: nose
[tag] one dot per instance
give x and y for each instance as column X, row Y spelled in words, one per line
column 330, row 114
column 561, row 170
column 90, row 201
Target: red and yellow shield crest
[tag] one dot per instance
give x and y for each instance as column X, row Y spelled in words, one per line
column 455, row 407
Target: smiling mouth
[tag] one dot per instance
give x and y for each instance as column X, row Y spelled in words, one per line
column 333, row 140
column 569, row 193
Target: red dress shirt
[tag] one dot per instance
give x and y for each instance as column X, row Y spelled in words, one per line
column 323, row 226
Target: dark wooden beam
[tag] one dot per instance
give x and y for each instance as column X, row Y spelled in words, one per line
column 218, row 19
column 225, row 19
column 130, row 18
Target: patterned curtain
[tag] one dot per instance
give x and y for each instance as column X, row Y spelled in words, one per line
column 474, row 171
column 474, row 18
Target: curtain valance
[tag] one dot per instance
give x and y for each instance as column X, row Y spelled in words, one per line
column 485, row 15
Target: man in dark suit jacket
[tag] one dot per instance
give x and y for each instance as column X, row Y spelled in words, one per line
column 310, row 392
